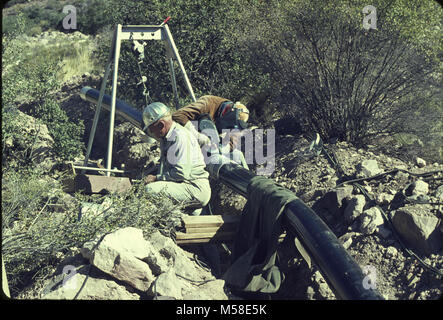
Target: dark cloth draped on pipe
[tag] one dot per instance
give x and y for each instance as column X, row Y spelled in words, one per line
column 254, row 266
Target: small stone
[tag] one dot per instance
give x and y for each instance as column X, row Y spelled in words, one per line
column 354, row 208
column 414, row 280
column 370, row 220
column 167, row 284
column 325, row 291
column 346, row 239
column 310, row 293
column 418, row 187
column 420, row 162
column 384, row 198
column 368, row 168
column 439, row 193
column 391, row 252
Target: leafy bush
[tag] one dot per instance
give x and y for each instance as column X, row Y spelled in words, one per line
column 336, row 77
column 34, row 82
column 202, row 32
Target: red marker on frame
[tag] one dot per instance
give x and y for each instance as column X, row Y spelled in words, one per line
column 166, row 20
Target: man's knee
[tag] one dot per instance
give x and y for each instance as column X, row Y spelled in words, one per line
column 156, row 187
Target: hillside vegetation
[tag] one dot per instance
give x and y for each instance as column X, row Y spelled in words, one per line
column 310, row 64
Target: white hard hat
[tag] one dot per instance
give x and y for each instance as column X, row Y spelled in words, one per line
column 153, row 112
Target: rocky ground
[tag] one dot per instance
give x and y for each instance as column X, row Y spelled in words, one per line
column 414, row 202
column 411, row 193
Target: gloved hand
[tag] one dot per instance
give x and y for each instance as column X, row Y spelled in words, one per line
column 202, row 139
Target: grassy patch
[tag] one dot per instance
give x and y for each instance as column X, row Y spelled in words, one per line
column 75, row 53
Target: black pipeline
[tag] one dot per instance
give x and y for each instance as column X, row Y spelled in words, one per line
column 338, row 268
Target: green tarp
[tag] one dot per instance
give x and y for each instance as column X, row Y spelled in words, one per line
column 254, row 266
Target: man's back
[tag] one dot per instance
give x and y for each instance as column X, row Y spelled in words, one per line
column 182, row 157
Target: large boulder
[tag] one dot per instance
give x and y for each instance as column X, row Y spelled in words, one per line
column 155, row 265
column 419, row 228
column 82, row 285
column 120, row 254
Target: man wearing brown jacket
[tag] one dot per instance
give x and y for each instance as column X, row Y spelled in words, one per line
column 225, row 114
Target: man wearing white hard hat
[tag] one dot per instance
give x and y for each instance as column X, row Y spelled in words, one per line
column 183, row 176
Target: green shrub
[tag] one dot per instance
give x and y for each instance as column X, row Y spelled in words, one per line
column 35, row 30
column 339, row 79
column 202, row 31
column 18, row 142
column 35, row 234
column 34, row 82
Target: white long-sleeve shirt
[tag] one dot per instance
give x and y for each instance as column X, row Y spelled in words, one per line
column 181, row 156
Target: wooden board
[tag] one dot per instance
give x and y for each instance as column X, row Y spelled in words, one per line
column 184, row 238
column 203, row 229
column 209, row 221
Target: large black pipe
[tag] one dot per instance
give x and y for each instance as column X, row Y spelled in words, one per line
column 338, row 268
column 122, row 109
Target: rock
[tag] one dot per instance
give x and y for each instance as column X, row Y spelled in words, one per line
column 343, row 193
column 418, row 198
column 83, row 286
column 391, row 252
column 368, row 168
column 439, row 193
column 173, row 255
column 89, row 209
column 310, row 293
column 419, row 228
column 322, row 287
column 418, row 187
column 133, row 148
column 120, row 255
column 420, row 162
column 384, row 198
column 346, row 239
column 371, row 219
column 34, row 130
column 212, row 290
column 335, row 201
column 354, row 208
column 401, row 177
column 168, row 285
column 155, row 265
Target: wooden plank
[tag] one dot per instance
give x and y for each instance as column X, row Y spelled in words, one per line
column 189, row 238
column 182, row 238
column 224, row 228
column 209, row 221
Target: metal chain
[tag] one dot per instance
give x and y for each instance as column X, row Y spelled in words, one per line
column 140, row 49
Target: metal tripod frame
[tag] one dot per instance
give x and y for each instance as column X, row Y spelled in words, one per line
column 132, row 32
